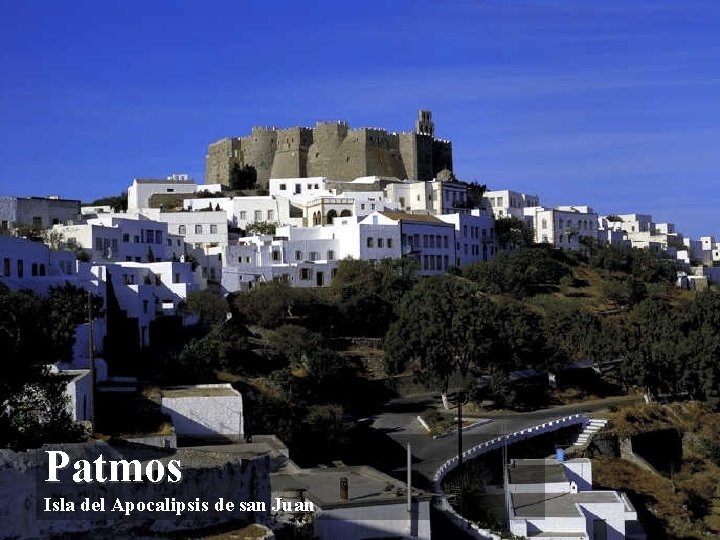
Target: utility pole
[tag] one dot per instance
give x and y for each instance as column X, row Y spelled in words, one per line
column 91, row 357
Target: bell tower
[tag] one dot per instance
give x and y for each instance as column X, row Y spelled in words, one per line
column 424, row 124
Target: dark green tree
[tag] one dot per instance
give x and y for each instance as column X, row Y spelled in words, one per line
column 244, row 177
column 444, row 327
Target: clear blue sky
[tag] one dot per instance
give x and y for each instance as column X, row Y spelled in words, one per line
column 615, row 104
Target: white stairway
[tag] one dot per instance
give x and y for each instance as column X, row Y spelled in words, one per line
column 591, row 428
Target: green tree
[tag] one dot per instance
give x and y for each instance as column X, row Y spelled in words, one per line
column 512, row 233
column 118, row 203
column 244, row 177
column 444, row 327
column 32, row 402
column 209, row 306
column 260, row 227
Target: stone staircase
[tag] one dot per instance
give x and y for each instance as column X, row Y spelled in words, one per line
column 591, row 428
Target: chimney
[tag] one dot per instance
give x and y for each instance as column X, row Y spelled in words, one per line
column 343, row 488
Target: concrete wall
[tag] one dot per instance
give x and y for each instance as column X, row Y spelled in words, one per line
column 206, row 415
column 37, row 211
column 205, row 475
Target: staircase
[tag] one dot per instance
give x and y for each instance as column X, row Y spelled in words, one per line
column 591, row 428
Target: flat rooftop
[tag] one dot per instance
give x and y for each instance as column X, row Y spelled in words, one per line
column 366, row 486
column 540, row 505
column 536, row 471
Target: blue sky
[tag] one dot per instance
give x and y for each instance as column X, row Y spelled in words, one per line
column 615, row 104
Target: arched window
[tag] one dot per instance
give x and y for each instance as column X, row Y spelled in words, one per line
column 332, row 214
column 181, row 229
column 42, row 269
column 33, row 269
column 345, row 213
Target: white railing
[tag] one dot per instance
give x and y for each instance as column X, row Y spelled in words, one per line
column 483, row 448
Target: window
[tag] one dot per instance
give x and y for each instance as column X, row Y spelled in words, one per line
column 331, row 255
column 465, row 230
column 314, row 255
column 298, row 255
column 425, row 240
column 37, row 222
column 213, row 229
column 181, row 229
column 149, row 236
column 362, row 206
column 6, row 267
column 98, row 244
column 33, row 269
column 372, row 206
column 298, row 189
column 389, row 243
column 438, row 261
column 126, row 238
column 271, row 215
column 129, row 279
column 114, row 246
column 177, row 277
column 258, row 215
column 276, row 255
column 432, row 240
column 243, row 214
column 304, row 273
column 445, row 242
column 544, row 224
column 380, row 243
column 198, row 229
column 4, row 224
column 425, row 262
column 145, row 306
column 370, row 242
column 447, row 260
column 283, row 187
column 158, row 237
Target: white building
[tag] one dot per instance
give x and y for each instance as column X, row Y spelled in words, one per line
column 356, row 502
column 298, row 189
column 242, row 211
column 507, row 203
column 563, row 227
column 551, row 499
column 117, row 237
column 142, row 189
column 201, row 227
column 435, row 197
column 474, row 236
column 145, row 291
column 426, row 239
column 33, row 265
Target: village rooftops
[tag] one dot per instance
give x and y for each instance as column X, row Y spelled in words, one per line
column 200, row 390
column 366, row 486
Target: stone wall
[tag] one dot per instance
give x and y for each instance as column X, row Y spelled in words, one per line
column 330, row 149
column 206, row 476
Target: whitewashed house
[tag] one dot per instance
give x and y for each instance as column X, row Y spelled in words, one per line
column 474, row 236
column 564, row 227
column 550, row 499
column 507, row 203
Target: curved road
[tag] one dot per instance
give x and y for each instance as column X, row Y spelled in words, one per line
column 429, row 454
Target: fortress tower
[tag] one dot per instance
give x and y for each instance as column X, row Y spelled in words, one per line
column 333, row 150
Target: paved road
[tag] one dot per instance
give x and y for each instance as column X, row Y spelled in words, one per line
column 401, row 425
